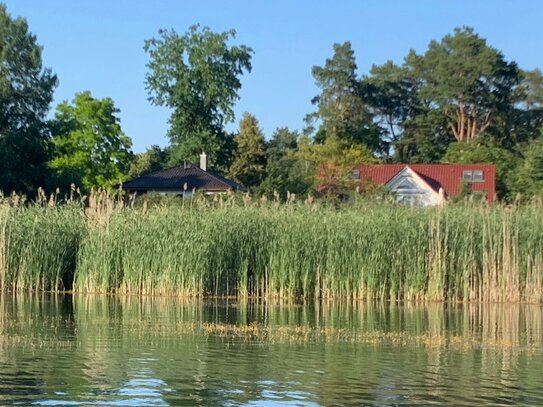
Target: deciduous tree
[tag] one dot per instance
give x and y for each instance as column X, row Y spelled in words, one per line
column 26, row 91
column 197, row 75
column 91, row 149
column 486, row 150
column 332, row 162
column 154, row 159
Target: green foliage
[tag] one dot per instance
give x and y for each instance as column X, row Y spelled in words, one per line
column 486, row 151
column 154, row 159
column 468, row 81
column 391, row 93
column 331, row 164
column 374, row 250
column 197, row 76
column 249, row 163
column 460, row 89
column 455, row 254
column 26, row 91
column 39, row 245
column 287, row 175
column 285, row 172
column 341, row 109
column 426, row 140
column 282, row 143
column 90, row 148
column 528, row 180
column 526, row 117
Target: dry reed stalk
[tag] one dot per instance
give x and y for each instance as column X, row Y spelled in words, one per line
column 436, row 264
column 4, row 215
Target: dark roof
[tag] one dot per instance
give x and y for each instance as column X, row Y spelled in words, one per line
column 176, row 177
column 446, row 176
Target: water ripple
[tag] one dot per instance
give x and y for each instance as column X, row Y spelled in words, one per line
column 139, row 357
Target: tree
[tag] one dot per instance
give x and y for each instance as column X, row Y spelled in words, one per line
column 287, row 174
column 391, row 94
column 486, row 150
column 425, row 138
column 526, row 115
column 284, row 171
column 91, row 150
column 330, row 164
column 469, row 82
column 154, row 159
column 249, row 163
column 528, row 180
column 460, row 89
column 341, row 109
column 26, row 91
column 282, row 143
column 197, row 76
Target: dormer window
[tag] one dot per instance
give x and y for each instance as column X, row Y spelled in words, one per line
column 473, row 176
column 355, row 174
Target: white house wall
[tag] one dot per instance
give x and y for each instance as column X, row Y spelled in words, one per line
column 409, row 188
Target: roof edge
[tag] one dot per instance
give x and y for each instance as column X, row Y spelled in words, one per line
column 417, row 177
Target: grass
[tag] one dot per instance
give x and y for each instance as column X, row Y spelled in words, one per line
column 265, row 249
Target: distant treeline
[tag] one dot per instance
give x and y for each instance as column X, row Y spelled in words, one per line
column 460, row 101
column 298, row 250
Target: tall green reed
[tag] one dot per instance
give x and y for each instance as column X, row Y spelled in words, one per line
column 269, row 250
column 39, row 246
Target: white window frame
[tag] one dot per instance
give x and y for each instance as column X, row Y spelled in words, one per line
column 470, row 175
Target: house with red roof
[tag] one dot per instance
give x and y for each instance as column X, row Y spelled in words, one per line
column 430, row 184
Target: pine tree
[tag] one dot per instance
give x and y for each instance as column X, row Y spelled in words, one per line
column 342, row 111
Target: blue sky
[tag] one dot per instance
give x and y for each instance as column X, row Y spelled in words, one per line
column 98, row 45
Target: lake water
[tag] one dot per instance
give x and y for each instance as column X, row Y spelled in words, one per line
column 108, row 351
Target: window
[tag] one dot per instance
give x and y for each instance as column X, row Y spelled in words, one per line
column 473, row 176
column 477, row 176
column 355, row 174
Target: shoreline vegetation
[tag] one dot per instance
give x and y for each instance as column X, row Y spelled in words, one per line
column 236, row 246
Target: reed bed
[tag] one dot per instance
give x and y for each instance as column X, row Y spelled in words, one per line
column 39, row 246
column 270, row 250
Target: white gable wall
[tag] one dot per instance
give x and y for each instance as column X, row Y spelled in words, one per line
column 411, row 189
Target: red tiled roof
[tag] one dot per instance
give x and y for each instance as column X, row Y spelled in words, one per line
column 446, row 176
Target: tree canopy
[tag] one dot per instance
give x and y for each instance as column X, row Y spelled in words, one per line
column 249, row 163
column 26, row 92
column 197, row 75
column 458, row 101
column 154, row 159
column 91, row 149
column 330, row 164
column 458, row 90
column 469, row 82
column 528, row 180
column 341, row 109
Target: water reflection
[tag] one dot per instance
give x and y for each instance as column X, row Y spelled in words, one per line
column 135, row 351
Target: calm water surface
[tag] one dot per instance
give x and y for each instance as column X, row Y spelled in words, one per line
column 107, row 351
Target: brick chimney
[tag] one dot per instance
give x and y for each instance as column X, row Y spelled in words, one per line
column 203, row 161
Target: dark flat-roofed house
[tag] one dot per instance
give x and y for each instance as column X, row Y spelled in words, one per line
column 430, row 184
column 182, row 180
